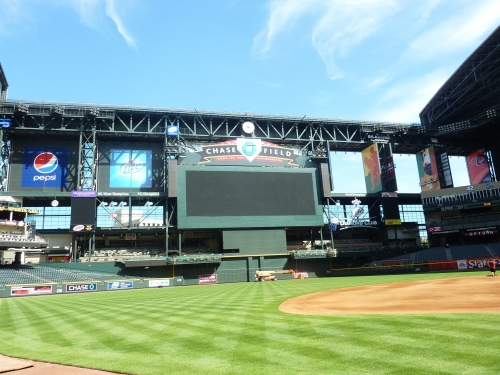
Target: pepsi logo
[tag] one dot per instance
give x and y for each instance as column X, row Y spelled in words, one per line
column 46, row 162
column 131, row 167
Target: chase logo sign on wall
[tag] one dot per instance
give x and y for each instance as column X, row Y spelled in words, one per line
column 244, row 151
column 249, row 148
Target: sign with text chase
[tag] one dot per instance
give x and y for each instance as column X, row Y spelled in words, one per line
column 246, row 151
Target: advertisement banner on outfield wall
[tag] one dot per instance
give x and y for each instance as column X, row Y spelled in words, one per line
column 120, row 285
column 462, row 264
column 476, row 263
column 207, row 279
column 73, row 288
column 158, row 283
column 427, row 169
column 30, row 290
column 445, row 266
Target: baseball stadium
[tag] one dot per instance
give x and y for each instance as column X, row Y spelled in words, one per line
column 106, row 211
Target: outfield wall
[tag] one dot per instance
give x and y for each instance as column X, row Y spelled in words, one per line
column 231, row 270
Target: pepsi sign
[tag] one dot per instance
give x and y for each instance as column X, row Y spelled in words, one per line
column 44, row 167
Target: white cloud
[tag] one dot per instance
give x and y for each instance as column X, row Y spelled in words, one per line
column 405, row 99
column 112, row 13
column 346, row 24
column 380, row 80
column 13, row 14
column 463, row 30
column 88, row 11
column 91, row 15
column 339, row 25
column 283, row 15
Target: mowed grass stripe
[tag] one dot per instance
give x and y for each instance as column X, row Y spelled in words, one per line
column 237, row 328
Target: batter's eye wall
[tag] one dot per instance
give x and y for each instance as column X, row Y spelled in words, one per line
column 238, row 197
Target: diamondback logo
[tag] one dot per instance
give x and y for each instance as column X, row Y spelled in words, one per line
column 250, row 149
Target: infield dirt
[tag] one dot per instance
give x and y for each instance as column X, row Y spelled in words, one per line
column 477, row 294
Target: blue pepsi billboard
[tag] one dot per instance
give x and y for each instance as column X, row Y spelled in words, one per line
column 44, row 167
column 130, row 169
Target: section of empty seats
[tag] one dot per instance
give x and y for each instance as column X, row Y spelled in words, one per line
column 495, row 248
column 434, row 254
column 37, row 274
column 469, row 252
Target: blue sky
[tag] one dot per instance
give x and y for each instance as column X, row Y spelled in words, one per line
column 358, row 59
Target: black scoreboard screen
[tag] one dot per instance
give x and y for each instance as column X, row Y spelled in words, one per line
column 234, row 193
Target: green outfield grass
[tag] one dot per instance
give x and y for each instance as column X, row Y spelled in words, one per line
column 237, row 329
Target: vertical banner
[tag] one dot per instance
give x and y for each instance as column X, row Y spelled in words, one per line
column 427, row 169
column 389, row 182
column 478, row 168
column 446, row 177
column 371, row 167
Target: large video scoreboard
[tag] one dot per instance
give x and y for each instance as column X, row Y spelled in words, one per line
column 239, row 197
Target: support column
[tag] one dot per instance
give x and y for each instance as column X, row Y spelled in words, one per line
column 179, row 235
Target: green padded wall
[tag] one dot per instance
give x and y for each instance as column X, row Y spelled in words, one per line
column 271, row 241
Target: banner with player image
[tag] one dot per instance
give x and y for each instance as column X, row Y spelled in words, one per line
column 371, row 168
column 478, row 168
column 427, row 169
